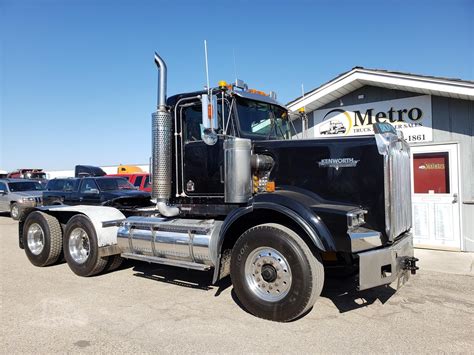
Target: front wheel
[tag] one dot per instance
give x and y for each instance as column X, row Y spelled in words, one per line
column 274, row 273
column 14, row 211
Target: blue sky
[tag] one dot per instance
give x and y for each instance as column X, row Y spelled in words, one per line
column 78, row 83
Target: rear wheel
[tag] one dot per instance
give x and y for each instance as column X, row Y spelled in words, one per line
column 42, row 239
column 274, row 273
column 81, row 249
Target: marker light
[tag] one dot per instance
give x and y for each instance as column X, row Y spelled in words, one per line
column 258, row 92
column 209, row 111
column 270, row 186
column 222, row 84
column 301, row 110
column 255, row 183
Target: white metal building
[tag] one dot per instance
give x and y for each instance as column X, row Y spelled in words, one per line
column 436, row 116
column 109, row 169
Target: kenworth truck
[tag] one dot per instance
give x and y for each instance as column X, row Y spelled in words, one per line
column 234, row 194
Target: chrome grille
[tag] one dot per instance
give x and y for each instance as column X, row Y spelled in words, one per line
column 38, row 200
column 397, row 189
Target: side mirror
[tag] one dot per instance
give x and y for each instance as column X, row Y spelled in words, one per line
column 209, row 119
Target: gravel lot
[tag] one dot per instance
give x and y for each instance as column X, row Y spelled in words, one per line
column 149, row 308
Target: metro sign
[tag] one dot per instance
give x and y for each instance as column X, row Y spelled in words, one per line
column 411, row 115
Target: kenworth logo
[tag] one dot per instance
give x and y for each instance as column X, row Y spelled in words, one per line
column 338, row 163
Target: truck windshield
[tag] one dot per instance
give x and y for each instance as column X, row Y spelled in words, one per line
column 262, row 120
column 110, row 184
column 25, row 186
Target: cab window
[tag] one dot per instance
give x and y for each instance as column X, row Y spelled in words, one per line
column 192, row 118
column 138, row 181
column 147, row 182
column 88, row 185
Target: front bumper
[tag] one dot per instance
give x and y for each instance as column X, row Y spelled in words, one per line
column 383, row 266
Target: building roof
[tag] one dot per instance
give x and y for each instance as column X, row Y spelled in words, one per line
column 359, row 76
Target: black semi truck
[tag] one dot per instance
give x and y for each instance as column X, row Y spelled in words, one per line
column 234, row 194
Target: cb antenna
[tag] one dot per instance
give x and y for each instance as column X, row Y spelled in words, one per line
column 302, row 93
column 235, row 65
column 208, row 135
column 304, row 117
column 207, row 69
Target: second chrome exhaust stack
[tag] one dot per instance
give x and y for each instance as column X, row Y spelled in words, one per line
column 161, row 135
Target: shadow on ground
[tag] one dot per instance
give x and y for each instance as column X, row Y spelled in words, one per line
column 340, row 290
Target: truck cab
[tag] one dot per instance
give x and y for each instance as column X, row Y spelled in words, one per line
column 32, row 174
column 234, row 194
column 140, row 180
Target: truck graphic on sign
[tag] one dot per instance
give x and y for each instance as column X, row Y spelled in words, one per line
column 332, row 127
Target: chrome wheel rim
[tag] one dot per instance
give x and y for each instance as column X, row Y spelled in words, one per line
column 14, row 211
column 79, row 245
column 35, row 238
column 268, row 274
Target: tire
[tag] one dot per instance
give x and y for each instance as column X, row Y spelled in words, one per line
column 15, row 211
column 259, row 260
column 113, row 263
column 80, row 247
column 42, row 239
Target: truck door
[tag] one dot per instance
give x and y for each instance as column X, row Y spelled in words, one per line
column 203, row 165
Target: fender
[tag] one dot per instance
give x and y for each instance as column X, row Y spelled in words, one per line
column 297, row 204
column 97, row 215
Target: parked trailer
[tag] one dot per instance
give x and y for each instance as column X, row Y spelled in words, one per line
column 233, row 195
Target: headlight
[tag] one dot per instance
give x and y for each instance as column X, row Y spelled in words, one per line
column 356, row 218
column 26, row 199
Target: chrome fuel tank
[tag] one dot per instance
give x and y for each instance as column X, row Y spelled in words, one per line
column 176, row 239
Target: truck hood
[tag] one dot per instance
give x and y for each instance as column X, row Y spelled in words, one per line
column 128, row 199
column 340, row 171
column 127, row 193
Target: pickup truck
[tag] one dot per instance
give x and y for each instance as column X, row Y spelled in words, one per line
column 105, row 191
column 139, row 180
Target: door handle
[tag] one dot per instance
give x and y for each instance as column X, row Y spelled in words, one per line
column 221, row 173
column 455, row 198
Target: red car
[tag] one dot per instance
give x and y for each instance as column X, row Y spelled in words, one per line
column 140, row 180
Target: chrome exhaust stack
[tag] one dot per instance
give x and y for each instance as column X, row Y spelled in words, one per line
column 161, row 147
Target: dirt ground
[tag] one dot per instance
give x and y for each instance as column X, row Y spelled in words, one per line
column 150, row 308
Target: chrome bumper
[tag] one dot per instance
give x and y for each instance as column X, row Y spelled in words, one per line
column 383, row 266
column 364, row 239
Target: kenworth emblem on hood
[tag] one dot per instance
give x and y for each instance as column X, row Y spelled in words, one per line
column 338, row 163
